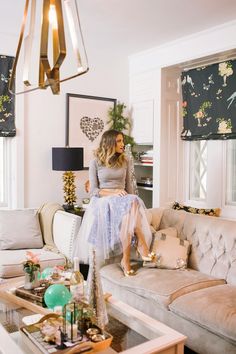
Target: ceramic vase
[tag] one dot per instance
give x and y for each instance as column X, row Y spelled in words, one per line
column 31, row 280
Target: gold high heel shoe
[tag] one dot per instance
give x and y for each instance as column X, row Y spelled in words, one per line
column 149, row 258
column 127, row 273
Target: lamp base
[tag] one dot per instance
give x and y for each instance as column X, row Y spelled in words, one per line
column 69, row 188
column 67, row 207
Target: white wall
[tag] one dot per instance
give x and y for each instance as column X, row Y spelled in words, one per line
column 149, row 64
column 40, row 123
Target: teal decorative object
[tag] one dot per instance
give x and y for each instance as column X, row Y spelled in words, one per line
column 46, row 273
column 57, row 295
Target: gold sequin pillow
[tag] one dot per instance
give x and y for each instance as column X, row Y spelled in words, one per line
column 202, row 211
column 171, row 252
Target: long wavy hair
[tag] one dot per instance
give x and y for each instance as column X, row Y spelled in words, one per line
column 106, row 152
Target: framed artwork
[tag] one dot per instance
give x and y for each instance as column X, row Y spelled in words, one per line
column 86, row 121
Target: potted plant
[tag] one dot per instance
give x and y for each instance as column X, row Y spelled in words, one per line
column 120, row 122
column 31, row 268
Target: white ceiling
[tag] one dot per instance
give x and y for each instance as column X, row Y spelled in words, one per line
column 130, row 26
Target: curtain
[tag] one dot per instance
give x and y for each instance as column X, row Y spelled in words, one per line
column 7, row 100
column 209, row 102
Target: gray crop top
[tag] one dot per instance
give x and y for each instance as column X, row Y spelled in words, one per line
column 102, row 177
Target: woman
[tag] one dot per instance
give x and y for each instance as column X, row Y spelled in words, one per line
column 114, row 214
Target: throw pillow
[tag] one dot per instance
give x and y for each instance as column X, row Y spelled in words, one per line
column 202, row 211
column 172, row 252
column 20, row 229
column 170, row 231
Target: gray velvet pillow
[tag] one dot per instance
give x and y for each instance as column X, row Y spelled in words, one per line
column 20, row 229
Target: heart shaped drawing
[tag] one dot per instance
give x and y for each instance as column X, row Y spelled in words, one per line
column 91, row 127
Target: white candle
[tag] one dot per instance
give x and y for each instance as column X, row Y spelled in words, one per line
column 74, row 331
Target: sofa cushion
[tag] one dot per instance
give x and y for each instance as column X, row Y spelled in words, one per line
column 213, row 308
column 172, row 252
column 11, row 264
column 160, row 285
column 173, row 218
column 20, row 229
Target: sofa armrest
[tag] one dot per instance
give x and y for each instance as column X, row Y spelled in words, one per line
column 65, row 229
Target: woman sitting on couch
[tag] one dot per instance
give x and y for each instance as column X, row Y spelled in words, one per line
column 114, row 214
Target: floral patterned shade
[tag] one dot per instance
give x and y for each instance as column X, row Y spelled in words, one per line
column 209, row 102
column 7, row 100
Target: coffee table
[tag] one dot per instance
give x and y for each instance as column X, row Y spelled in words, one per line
column 130, row 328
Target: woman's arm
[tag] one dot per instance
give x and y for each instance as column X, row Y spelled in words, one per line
column 93, row 179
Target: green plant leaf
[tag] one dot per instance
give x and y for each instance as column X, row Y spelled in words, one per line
column 119, row 122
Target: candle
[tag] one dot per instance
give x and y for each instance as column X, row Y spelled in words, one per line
column 72, row 331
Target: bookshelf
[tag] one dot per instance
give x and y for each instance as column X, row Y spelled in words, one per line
column 144, row 172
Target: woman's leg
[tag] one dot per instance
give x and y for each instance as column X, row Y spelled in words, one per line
column 125, row 238
column 139, row 232
column 132, row 223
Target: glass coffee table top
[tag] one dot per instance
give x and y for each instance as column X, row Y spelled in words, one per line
column 133, row 331
column 123, row 337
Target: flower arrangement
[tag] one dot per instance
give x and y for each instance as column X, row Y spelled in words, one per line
column 31, row 265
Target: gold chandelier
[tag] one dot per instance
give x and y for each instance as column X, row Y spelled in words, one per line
column 52, row 46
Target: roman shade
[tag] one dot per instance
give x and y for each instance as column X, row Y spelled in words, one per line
column 7, row 100
column 209, row 102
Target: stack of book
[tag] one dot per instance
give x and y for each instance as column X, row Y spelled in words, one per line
column 147, row 157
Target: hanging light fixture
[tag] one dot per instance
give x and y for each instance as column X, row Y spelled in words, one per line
column 46, row 69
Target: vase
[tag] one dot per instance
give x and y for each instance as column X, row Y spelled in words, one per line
column 31, row 280
column 95, row 292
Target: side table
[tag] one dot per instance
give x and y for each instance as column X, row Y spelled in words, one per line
column 79, row 212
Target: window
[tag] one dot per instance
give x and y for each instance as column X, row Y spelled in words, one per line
column 4, row 173
column 198, row 170
column 231, row 173
column 212, row 175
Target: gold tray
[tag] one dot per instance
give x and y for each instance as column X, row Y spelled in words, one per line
column 37, row 345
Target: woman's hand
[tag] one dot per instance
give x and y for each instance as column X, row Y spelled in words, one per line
column 112, row 192
column 120, row 192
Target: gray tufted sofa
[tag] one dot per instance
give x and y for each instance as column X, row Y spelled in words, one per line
column 199, row 302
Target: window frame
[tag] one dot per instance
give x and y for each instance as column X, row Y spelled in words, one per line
column 216, row 179
column 7, row 173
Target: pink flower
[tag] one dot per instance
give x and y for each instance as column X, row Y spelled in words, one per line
column 31, row 264
column 184, row 104
column 59, row 267
column 33, row 257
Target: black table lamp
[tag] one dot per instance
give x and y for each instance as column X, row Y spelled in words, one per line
column 68, row 159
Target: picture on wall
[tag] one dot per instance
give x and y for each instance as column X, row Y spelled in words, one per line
column 86, row 121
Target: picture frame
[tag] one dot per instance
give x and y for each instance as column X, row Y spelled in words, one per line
column 86, row 121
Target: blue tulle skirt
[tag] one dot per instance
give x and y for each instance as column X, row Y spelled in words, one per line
column 109, row 224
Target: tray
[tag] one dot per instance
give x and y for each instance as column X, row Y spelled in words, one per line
column 32, row 337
